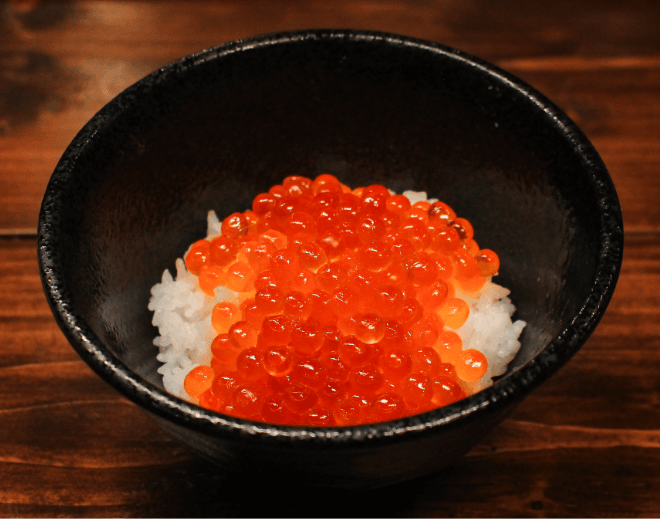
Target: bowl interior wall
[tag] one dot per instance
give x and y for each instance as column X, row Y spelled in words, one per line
column 229, row 128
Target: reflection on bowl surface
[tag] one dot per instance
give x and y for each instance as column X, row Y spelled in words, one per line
column 211, row 131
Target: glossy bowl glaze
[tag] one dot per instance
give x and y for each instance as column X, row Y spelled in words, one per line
column 214, row 129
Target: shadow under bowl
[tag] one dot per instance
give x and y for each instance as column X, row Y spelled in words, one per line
column 213, row 130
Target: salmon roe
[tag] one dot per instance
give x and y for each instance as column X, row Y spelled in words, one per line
column 346, row 306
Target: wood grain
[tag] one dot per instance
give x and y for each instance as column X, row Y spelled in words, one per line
column 584, row 444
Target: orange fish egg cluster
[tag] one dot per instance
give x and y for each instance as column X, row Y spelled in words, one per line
column 346, row 306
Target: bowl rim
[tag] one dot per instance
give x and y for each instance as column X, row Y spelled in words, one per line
column 513, row 388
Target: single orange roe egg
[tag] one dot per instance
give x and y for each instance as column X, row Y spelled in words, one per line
column 347, row 413
column 388, row 301
column 277, row 192
column 223, row 251
column 424, row 332
column 374, row 190
column 446, row 391
column 297, row 305
column 278, row 360
column 276, row 330
column 198, row 380
column 466, row 271
column 257, row 254
column 347, row 325
column 312, row 256
column 388, row 406
column 422, row 271
column 348, row 208
column 321, row 307
column 299, row 398
column 449, row 345
column 309, row 372
column 198, row 256
column 223, row 316
column 224, row 356
column 353, row 352
column 251, row 314
column 426, row 360
column 391, row 220
column 248, row 399
column 304, row 281
column 299, row 222
column 422, row 205
column 224, row 384
column 393, row 337
column 307, row 338
column 250, row 364
column 262, row 204
column 455, row 312
column 331, row 276
column 464, row 228
column 319, row 416
column 344, row 301
column 367, row 377
column 270, row 300
column 395, row 275
column 416, row 233
column 417, row 389
column 375, row 255
column 284, row 264
column 211, row 277
column 488, row 262
column 273, row 410
column 332, row 244
column 471, row 365
column 395, row 363
column 275, row 238
column 445, row 241
column 441, row 212
column 208, row 400
column 412, row 312
column 362, row 400
column 326, row 183
column 419, row 213
column 239, row 277
column 298, row 186
column 234, row 226
column 242, row 335
column 465, row 266
column 470, row 246
column 336, row 369
column 434, row 296
column 285, row 207
column 472, row 284
column 398, row 204
column 370, row 328
column 370, row 228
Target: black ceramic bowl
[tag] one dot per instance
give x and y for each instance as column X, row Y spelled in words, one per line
column 214, row 129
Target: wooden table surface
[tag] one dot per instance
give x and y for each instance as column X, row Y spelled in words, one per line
column 587, row 443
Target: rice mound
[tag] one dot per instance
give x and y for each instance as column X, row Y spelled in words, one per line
column 182, row 314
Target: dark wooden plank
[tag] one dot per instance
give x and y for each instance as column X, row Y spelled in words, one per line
column 586, row 443
column 505, row 29
column 619, row 482
column 62, row 61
